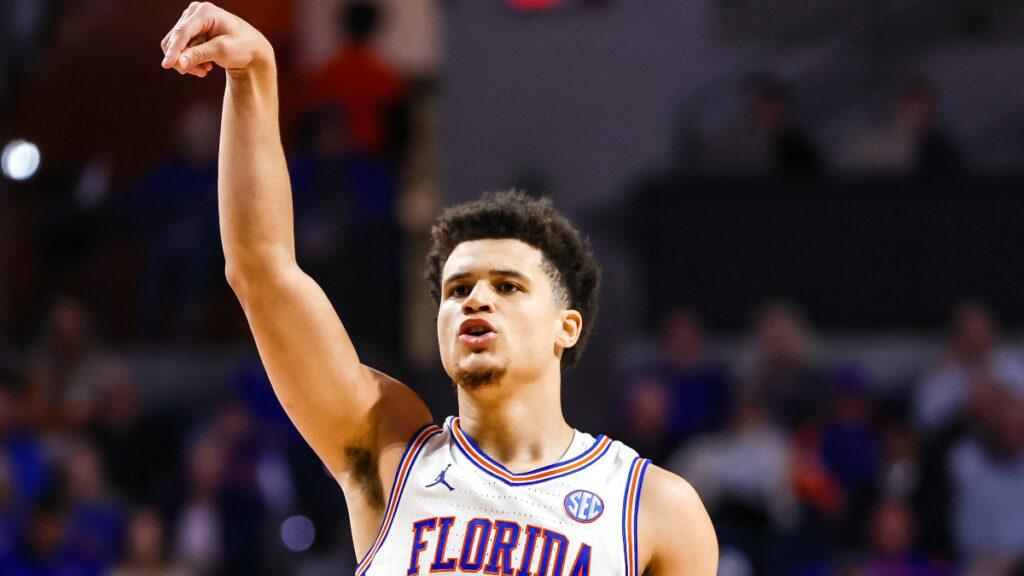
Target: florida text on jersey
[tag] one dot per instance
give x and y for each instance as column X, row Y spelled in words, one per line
column 454, row 510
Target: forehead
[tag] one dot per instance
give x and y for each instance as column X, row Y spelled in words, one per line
column 494, row 254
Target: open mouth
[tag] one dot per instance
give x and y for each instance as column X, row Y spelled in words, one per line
column 475, row 329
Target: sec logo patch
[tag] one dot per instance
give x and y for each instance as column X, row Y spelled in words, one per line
column 584, row 506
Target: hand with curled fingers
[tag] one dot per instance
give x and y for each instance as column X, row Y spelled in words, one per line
column 206, row 35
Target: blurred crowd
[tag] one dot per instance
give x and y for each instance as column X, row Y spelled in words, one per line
column 812, row 466
column 95, row 481
column 767, row 139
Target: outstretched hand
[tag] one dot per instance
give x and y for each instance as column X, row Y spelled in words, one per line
column 206, row 35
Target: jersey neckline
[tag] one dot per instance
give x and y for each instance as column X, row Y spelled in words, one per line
column 496, row 470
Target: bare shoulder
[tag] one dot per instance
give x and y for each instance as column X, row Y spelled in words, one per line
column 676, row 535
column 402, row 410
column 372, row 459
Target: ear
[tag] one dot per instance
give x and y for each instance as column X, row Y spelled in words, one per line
column 570, row 329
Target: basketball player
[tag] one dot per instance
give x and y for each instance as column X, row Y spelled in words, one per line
column 508, row 487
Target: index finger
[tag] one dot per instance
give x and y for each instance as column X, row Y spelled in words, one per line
column 191, row 26
column 184, row 14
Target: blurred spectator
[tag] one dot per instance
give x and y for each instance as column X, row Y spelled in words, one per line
column 199, row 530
column 733, row 562
column 743, row 477
column 680, row 394
column 935, row 154
column 290, row 475
column 361, row 94
column 321, row 194
column 174, row 205
column 255, row 478
column 900, row 474
column 272, row 435
column 972, row 353
column 918, row 473
column 219, row 509
column 25, row 464
column 780, row 372
column 768, row 140
column 43, row 550
column 645, row 417
column 8, row 514
column 95, row 520
column 988, row 476
column 65, row 369
column 145, row 548
column 817, row 489
column 892, row 550
column 699, row 386
column 911, row 142
column 12, row 495
column 748, row 463
column 136, row 446
column 851, row 445
column 359, row 83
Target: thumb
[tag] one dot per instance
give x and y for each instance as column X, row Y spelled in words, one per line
column 200, row 54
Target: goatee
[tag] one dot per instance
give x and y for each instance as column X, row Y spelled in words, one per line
column 476, row 379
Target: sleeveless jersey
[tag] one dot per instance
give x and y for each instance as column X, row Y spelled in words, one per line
column 455, row 510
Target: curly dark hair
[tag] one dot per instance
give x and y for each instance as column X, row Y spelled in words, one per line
column 568, row 259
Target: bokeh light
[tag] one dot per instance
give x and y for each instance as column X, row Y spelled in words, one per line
column 298, row 533
column 20, row 160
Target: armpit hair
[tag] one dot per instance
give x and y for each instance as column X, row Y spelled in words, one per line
column 365, row 472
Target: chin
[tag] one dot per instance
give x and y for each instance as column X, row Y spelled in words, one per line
column 477, row 373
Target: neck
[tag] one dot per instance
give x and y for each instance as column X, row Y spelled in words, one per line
column 520, row 425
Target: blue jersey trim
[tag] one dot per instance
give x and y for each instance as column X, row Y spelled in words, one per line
column 636, row 517
column 450, row 423
column 625, row 515
column 631, row 548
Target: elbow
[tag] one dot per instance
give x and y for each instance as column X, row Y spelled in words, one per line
column 245, row 276
column 238, row 279
column 248, row 278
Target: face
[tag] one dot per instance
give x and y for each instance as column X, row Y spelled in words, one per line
column 145, row 537
column 974, row 330
column 498, row 316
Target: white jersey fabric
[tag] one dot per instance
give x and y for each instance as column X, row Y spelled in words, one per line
column 454, row 510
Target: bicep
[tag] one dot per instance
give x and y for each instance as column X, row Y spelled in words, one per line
column 677, row 537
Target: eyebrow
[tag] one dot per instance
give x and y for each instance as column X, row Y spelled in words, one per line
column 505, row 273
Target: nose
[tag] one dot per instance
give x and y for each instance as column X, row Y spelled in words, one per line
column 479, row 300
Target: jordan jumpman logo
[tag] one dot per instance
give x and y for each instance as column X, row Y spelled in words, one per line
column 440, row 480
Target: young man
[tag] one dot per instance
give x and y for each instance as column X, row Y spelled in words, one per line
column 508, row 487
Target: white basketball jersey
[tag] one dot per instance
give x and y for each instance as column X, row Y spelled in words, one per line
column 455, row 510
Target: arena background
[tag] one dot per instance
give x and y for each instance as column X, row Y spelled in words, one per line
column 808, row 213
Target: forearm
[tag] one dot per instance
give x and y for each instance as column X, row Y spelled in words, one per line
column 254, row 192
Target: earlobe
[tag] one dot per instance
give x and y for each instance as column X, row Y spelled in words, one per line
column 572, row 326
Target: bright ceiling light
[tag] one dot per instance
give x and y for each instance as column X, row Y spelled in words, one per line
column 20, row 160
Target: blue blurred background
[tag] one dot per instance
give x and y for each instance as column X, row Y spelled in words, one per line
column 808, row 213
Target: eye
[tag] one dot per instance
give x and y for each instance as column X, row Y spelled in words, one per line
column 458, row 291
column 508, row 287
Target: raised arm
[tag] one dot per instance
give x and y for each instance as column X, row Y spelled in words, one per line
column 354, row 418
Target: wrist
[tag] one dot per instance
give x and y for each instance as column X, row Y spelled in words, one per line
column 262, row 64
